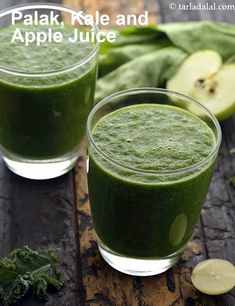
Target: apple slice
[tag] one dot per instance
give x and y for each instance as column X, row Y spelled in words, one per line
column 203, row 77
column 214, row 276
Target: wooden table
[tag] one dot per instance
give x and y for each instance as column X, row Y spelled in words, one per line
column 56, row 213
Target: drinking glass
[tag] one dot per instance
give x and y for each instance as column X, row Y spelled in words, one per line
column 144, row 218
column 43, row 109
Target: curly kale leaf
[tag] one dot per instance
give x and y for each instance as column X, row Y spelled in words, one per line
column 25, row 270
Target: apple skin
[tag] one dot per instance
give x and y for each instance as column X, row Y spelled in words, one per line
column 230, row 110
column 204, row 77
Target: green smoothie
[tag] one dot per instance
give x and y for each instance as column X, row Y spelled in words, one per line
column 150, row 212
column 44, row 116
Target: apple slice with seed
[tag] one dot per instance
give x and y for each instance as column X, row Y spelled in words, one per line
column 204, row 77
column 214, row 276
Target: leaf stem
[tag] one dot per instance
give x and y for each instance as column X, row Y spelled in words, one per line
column 42, row 269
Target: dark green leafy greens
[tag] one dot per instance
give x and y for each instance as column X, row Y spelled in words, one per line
column 144, row 71
column 194, row 36
column 148, row 56
column 24, row 270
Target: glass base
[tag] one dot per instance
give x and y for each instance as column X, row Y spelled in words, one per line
column 138, row 267
column 40, row 169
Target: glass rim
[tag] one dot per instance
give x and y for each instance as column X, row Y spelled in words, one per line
column 106, row 100
column 60, row 7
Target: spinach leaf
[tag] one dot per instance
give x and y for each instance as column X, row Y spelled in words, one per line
column 118, row 56
column 135, row 35
column 141, row 55
column 194, row 36
column 24, row 270
column 152, row 69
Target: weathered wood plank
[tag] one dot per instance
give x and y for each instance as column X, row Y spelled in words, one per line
column 214, row 235
column 41, row 214
column 102, row 284
column 217, row 227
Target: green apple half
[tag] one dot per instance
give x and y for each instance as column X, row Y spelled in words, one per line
column 204, row 77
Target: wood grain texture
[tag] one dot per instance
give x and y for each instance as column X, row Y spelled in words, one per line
column 213, row 236
column 217, row 225
column 41, row 214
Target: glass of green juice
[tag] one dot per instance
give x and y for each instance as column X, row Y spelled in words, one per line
column 151, row 157
column 47, row 86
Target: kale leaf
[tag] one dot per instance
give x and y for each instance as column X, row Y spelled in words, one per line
column 24, row 270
